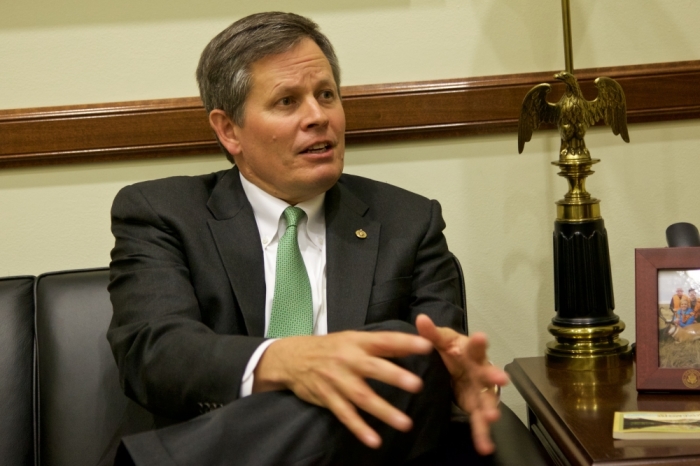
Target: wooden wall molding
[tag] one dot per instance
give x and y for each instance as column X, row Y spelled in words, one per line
column 375, row 113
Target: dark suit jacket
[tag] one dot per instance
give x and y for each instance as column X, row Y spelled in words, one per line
column 188, row 285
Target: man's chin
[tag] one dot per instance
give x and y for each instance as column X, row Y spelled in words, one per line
column 320, row 182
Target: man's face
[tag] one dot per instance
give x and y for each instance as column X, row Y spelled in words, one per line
column 679, row 291
column 692, row 294
column 292, row 142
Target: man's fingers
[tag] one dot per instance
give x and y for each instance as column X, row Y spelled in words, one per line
column 427, row 329
column 389, row 373
column 347, row 414
column 331, row 370
column 362, row 396
column 440, row 337
column 489, row 406
column 493, row 375
column 481, row 433
column 394, row 344
column 472, row 377
column 476, row 347
column 344, row 401
column 498, row 376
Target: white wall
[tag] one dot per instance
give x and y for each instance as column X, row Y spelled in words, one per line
column 82, row 51
column 499, row 206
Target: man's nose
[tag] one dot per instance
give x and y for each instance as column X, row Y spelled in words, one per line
column 314, row 114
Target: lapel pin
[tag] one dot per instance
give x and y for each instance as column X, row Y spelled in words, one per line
column 361, row 234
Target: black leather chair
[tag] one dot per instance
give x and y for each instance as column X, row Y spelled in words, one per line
column 515, row 444
column 81, row 407
column 16, row 362
column 77, row 406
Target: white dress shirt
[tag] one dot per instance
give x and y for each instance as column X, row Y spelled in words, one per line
column 311, row 232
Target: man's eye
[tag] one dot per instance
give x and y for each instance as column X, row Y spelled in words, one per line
column 327, row 95
column 285, row 101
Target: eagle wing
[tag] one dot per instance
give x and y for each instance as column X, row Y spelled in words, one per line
column 611, row 107
column 535, row 110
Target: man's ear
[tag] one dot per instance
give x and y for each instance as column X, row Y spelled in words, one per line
column 226, row 130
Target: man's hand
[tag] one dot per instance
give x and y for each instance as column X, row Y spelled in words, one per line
column 473, row 377
column 330, row 371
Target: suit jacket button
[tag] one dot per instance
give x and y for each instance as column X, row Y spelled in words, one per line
column 361, row 234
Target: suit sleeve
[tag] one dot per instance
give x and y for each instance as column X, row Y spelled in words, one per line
column 169, row 361
column 436, row 283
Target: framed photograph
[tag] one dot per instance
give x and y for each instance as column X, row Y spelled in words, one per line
column 668, row 319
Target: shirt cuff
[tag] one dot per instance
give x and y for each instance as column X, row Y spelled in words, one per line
column 248, row 376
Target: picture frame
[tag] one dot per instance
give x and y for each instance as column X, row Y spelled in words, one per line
column 654, row 321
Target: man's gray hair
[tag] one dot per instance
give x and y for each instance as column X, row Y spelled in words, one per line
column 223, row 73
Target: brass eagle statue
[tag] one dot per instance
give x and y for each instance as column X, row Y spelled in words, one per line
column 573, row 114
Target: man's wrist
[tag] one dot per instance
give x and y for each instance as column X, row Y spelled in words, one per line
column 268, row 374
column 248, row 378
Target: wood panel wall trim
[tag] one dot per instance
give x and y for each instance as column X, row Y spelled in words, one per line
column 375, row 113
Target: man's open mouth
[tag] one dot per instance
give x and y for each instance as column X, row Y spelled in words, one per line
column 319, row 148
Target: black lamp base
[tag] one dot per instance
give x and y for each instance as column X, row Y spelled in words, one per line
column 585, row 328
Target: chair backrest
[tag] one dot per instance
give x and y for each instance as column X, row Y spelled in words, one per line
column 81, row 407
column 462, row 292
column 81, row 410
column 16, row 360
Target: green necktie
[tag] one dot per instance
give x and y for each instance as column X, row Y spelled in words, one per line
column 292, row 306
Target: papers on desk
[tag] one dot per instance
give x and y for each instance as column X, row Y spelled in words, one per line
column 640, row 425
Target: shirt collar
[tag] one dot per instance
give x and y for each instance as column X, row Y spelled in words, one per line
column 268, row 210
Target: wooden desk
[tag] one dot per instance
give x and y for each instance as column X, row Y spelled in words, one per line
column 571, row 413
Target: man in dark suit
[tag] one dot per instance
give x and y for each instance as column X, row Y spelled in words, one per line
column 339, row 269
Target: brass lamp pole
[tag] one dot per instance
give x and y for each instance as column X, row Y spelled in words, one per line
column 585, row 328
column 566, row 20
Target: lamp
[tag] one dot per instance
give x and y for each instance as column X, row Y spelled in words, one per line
column 585, row 328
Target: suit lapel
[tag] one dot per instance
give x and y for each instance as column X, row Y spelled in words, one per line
column 350, row 260
column 238, row 242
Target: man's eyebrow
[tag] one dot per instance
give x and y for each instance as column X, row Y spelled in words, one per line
column 327, row 82
column 283, row 88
